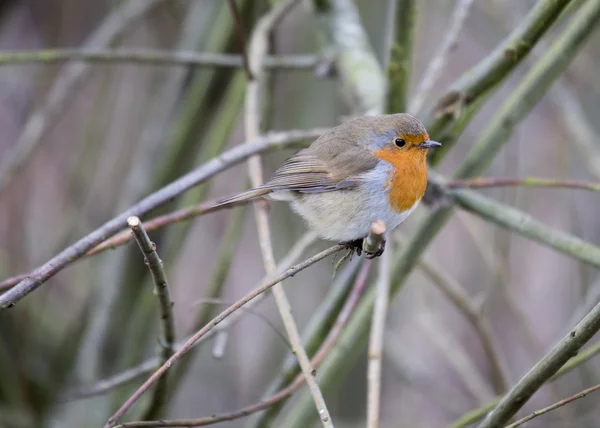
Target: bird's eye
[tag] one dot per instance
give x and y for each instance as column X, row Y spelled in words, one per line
column 399, row 142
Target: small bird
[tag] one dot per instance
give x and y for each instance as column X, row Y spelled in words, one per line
column 369, row 168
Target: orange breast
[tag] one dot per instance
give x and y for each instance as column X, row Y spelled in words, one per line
column 408, row 180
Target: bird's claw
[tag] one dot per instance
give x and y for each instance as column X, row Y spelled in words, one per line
column 357, row 246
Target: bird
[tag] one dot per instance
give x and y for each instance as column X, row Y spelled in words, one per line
column 365, row 169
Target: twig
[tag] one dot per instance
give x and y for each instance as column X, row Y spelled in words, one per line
column 148, row 366
column 485, row 182
column 252, row 122
column 151, row 57
column 453, row 291
column 554, row 406
column 376, row 338
column 328, row 344
column 167, row 322
column 239, row 31
column 219, row 318
column 437, row 63
column 111, row 28
column 77, row 250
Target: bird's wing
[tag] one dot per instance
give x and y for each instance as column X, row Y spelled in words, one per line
column 316, row 171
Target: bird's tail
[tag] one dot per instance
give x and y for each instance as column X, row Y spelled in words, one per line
column 248, row 195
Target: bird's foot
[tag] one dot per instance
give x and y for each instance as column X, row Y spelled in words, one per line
column 357, row 245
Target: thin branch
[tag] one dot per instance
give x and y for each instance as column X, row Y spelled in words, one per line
column 167, row 322
column 554, row 406
column 212, row 324
column 485, row 182
column 151, row 57
column 257, row 51
column 377, row 334
column 77, row 250
column 111, row 28
column 327, row 345
column 437, row 63
column 239, row 31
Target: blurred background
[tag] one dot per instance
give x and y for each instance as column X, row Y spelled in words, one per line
column 113, row 132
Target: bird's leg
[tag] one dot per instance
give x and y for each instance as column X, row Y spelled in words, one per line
column 355, row 245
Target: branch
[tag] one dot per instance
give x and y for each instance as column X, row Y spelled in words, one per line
column 554, row 406
column 401, row 55
column 213, row 323
column 167, row 323
column 377, row 334
column 257, row 51
column 327, row 345
column 111, row 28
column 454, row 106
column 437, row 63
column 77, row 250
column 152, row 57
column 485, row 182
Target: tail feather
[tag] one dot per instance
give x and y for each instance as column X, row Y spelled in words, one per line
column 243, row 196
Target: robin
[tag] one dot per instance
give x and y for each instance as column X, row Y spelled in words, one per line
column 368, row 168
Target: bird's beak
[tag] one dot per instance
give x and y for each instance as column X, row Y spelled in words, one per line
column 429, row 144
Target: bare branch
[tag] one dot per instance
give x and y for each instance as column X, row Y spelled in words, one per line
column 485, row 182
column 167, row 322
column 239, row 30
column 377, row 334
column 152, row 57
column 252, row 122
column 77, row 250
column 554, row 406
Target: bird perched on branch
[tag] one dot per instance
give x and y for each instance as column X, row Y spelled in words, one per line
column 367, row 169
